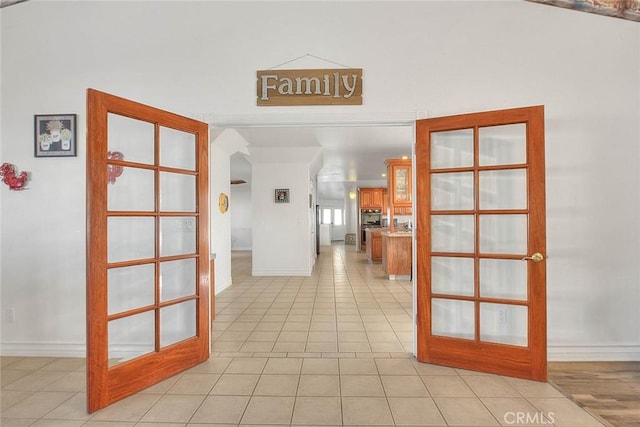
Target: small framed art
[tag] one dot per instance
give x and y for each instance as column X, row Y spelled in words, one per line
column 55, row 135
column 281, row 195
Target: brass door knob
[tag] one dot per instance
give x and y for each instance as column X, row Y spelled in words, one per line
column 537, row 257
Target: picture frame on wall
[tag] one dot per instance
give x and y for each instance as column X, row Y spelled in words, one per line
column 55, row 135
column 281, row 195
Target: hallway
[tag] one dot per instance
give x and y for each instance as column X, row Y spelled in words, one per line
column 331, row 349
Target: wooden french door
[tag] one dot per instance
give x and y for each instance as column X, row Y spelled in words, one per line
column 147, row 246
column 480, row 224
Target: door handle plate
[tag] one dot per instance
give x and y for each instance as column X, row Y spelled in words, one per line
column 537, row 257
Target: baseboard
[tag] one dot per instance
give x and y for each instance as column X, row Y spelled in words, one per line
column 259, row 272
column 554, row 353
column 39, row 349
column 223, row 287
column 621, row 353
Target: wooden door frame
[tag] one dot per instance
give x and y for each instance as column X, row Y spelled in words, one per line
column 525, row 365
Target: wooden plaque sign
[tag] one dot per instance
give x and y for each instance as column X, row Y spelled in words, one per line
column 340, row 86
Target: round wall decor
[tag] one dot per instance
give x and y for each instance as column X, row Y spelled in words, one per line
column 223, row 202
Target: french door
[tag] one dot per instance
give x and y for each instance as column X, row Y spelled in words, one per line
column 480, row 223
column 147, row 246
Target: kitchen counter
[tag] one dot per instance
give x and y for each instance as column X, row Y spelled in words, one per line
column 396, row 254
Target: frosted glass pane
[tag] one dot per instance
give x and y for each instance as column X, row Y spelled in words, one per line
column 506, row 144
column 503, row 234
column 177, row 323
column 131, row 337
column 452, row 318
column 402, row 193
column 452, row 233
column 503, row 278
column 133, row 138
column 133, row 190
column 452, row 191
column 503, row 189
column 177, row 149
column 504, row 324
column 452, row 276
column 177, row 279
column 452, row 149
column 177, row 235
column 130, row 238
column 130, row 287
column 177, row 192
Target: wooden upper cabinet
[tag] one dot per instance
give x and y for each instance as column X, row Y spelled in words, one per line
column 371, row 198
column 385, row 201
column 399, row 176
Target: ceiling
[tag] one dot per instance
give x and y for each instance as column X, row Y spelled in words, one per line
column 353, row 155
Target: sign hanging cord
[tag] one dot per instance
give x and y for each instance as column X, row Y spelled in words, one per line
column 304, row 56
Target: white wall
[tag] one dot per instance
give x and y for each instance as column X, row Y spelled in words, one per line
column 282, row 232
column 442, row 58
column 219, row 172
column 241, row 217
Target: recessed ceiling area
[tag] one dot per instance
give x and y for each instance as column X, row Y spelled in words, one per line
column 352, row 155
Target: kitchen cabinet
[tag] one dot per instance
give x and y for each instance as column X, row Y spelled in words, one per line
column 402, row 210
column 399, row 187
column 371, row 198
column 385, row 202
column 396, row 254
column 399, row 176
column 374, row 244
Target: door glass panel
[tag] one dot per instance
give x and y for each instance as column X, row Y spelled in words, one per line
column 503, row 234
column 131, row 337
column 177, row 279
column 177, row 235
column 177, row 323
column 452, row 276
column 177, row 192
column 503, row 324
column 505, row 144
column 452, row 233
column 503, row 278
column 130, row 238
column 177, row 149
column 134, row 139
column 453, row 318
column 130, row 287
column 503, row 189
column 401, row 193
column 452, row 191
column 132, row 190
column 452, row 149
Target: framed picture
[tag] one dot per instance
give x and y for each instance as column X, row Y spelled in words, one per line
column 55, row 135
column 282, row 195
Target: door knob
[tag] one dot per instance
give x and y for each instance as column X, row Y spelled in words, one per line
column 537, row 257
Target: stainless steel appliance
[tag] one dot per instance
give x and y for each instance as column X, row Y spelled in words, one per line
column 369, row 218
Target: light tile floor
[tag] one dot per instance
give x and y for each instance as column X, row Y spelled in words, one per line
column 332, row 349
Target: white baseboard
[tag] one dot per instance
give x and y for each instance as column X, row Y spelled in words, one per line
column 259, row 272
column 554, row 353
column 223, row 287
column 40, row 349
column 622, row 353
